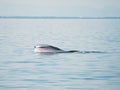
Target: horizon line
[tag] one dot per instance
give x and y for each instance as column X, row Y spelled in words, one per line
column 61, row 17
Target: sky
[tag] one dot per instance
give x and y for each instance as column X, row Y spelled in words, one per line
column 110, row 8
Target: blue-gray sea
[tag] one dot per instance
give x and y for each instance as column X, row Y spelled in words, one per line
column 23, row 69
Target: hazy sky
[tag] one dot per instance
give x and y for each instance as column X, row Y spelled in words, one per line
column 59, row 7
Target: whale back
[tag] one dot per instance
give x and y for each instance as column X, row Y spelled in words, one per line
column 49, row 47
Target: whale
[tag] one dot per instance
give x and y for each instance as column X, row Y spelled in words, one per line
column 49, row 49
column 44, row 48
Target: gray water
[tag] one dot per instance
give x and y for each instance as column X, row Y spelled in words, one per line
column 22, row 69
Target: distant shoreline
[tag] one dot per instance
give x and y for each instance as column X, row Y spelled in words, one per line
column 53, row 17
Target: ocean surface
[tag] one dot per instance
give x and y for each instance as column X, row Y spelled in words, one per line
column 23, row 69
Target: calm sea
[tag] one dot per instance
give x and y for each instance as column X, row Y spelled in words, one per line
column 22, row 69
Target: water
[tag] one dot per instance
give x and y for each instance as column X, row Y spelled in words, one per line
column 22, row 69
